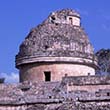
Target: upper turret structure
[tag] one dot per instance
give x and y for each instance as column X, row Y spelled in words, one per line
column 65, row 16
column 57, row 47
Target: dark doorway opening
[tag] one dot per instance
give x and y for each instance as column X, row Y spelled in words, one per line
column 47, row 75
column 71, row 20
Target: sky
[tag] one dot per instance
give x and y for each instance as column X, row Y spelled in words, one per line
column 18, row 17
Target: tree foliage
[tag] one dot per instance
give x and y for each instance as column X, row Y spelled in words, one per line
column 103, row 56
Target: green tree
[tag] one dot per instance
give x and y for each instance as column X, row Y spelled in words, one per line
column 103, row 56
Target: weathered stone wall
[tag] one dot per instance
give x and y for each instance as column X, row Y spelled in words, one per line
column 56, row 95
column 88, row 80
column 87, row 87
column 9, row 107
column 58, row 106
column 87, row 83
column 35, row 72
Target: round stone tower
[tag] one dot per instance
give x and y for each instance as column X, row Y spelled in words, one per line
column 55, row 48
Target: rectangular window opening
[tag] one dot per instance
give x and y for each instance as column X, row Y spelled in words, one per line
column 47, row 75
column 108, row 94
column 71, row 20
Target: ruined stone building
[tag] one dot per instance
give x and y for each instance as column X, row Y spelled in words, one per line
column 57, row 66
column 57, row 47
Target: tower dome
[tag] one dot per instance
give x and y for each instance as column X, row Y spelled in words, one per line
column 56, row 47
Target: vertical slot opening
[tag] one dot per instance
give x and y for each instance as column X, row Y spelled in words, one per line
column 47, row 75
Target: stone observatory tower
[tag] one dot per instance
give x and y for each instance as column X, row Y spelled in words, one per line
column 57, row 47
